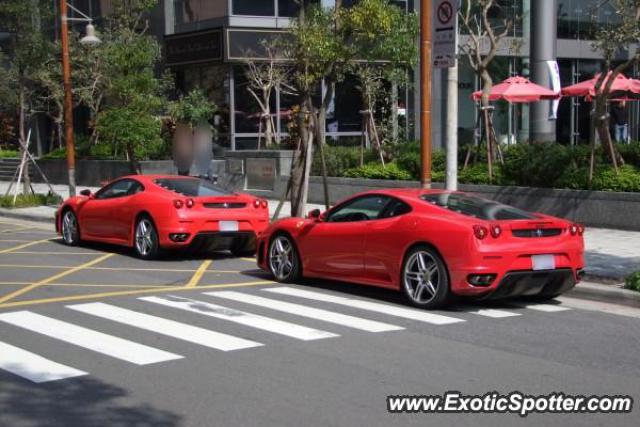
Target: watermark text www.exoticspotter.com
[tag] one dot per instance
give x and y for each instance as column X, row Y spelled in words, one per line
column 514, row 403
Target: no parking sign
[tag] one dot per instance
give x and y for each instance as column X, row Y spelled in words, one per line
column 445, row 31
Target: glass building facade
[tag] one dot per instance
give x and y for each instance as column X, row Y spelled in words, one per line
column 208, row 40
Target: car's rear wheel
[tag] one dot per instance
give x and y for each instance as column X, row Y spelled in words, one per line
column 283, row 259
column 70, row 228
column 425, row 281
column 146, row 242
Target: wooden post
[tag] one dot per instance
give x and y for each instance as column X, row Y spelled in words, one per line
column 68, row 100
column 425, row 93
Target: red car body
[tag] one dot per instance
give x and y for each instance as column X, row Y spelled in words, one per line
column 372, row 251
column 181, row 220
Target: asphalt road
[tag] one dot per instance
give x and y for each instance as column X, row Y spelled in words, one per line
column 90, row 336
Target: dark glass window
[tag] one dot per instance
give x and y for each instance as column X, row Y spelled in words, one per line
column 191, row 187
column 254, row 8
column 346, row 115
column 361, row 209
column 476, row 207
column 395, row 208
column 288, row 8
column 124, row 187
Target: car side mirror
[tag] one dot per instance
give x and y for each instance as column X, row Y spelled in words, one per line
column 314, row 214
column 86, row 192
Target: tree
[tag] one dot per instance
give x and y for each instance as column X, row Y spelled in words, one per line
column 28, row 51
column 264, row 77
column 612, row 40
column 383, row 52
column 131, row 119
column 484, row 34
column 317, row 47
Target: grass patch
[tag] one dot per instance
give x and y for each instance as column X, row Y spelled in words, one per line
column 30, row 200
column 632, row 282
column 9, row 154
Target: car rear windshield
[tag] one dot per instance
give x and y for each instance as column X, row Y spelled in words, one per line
column 191, row 187
column 476, row 207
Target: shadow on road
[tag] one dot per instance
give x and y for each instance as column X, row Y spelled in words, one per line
column 82, row 401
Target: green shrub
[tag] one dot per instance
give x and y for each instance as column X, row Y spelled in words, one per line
column 628, row 179
column 4, row 154
column 58, row 153
column 338, row 159
column 535, row 165
column 630, row 153
column 28, row 200
column 376, row 171
column 633, row 281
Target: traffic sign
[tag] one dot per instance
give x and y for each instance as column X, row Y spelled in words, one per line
column 445, row 29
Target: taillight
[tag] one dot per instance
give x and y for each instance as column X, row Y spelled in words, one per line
column 480, row 231
column 178, row 204
column 264, row 204
column 496, row 231
column 580, row 229
column 190, row 203
column 256, row 203
column 573, row 229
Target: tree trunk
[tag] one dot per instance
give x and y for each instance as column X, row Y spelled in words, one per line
column 26, row 182
column 487, row 83
column 394, row 112
column 319, row 137
column 452, row 129
column 297, row 168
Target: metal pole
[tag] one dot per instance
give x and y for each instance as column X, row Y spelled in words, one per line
column 68, row 100
column 425, row 93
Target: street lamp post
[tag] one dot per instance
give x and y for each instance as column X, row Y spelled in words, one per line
column 89, row 39
column 425, row 93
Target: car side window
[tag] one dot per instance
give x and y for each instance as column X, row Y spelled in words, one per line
column 361, row 209
column 135, row 188
column 117, row 189
column 395, row 208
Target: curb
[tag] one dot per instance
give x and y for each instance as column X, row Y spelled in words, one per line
column 11, row 213
column 613, row 294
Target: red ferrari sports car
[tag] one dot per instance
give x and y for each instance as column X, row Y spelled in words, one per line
column 429, row 244
column 155, row 212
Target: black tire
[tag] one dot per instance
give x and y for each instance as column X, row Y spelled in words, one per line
column 70, row 228
column 283, row 247
column 145, row 238
column 421, row 266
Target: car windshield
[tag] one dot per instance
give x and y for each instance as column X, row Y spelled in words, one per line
column 476, row 207
column 191, row 187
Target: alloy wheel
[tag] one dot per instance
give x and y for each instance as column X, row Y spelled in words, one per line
column 144, row 237
column 281, row 257
column 69, row 228
column 422, row 277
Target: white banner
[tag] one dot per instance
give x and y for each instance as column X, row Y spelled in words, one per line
column 554, row 75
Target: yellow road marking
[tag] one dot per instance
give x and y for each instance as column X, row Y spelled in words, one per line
column 195, row 279
column 91, row 285
column 26, row 245
column 124, row 293
column 160, row 270
column 54, row 253
column 248, row 259
column 53, row 278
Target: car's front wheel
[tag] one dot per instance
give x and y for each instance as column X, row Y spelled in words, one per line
column 283, row 259
column 70, row 228
column 425, row 281
column 146, row 239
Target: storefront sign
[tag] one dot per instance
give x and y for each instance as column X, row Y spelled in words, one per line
column 194, row 48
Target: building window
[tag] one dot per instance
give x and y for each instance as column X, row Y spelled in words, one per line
column 288, row 8
column 254, row 8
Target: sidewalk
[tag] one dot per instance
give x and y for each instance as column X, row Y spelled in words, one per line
column 610, row 255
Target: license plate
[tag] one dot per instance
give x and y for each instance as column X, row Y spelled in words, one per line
column 228, row 225
column 543, row 262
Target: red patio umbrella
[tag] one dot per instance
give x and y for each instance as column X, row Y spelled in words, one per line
column 622, row 87
column 518, row 90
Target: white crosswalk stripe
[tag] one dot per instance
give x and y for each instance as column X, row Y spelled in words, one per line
column 406, row 313
column 33, row 367
column 547, row 308
column 167, row 327
column 310, row 312
column 97, row 341
column 490, row 312
column 260, row 322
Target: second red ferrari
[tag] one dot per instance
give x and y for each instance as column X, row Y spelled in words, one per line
column 430, row 245
column 155, row 212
